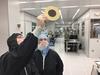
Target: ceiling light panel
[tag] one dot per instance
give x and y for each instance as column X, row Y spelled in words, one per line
column 41, row 1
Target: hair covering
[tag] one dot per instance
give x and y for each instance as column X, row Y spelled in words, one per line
column 12, row 42
column 42, row 36
column 45, row 32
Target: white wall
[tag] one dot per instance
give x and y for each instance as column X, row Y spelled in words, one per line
column 85, row 39
column 9, row 18
column 28, row 19
column 26, row 22
column 94, row 48
column 95, row 13
column 87, row 36
column 80, row 35
column 18, row 17
column 14, row 16
column 4, row 31
column 94, row 43
column 22, row 29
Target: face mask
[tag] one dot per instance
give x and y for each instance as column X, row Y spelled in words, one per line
column 44, row 49
column 41, row 48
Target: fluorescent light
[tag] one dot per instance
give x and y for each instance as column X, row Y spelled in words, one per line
column 43, row 8
column 38, row 1
column 92, row 6
column 62, row 0
column 61, row 16
column 43, row 1
column 69, row 6
column 28, row 9
column 42, row 11
column 22, row 2
column 76, row 13
column 33, row 8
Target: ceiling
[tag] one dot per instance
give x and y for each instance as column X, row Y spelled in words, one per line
column 70, row 9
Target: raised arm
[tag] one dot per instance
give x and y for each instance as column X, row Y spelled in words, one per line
column 12, row 62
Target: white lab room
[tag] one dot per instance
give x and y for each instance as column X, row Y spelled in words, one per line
column 49, row 37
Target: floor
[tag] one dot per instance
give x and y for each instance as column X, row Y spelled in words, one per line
column 75, row 63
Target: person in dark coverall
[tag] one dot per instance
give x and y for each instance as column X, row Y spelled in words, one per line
column 20, row 50
column 47, row 60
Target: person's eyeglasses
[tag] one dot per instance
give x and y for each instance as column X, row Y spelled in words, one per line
column 43, row 39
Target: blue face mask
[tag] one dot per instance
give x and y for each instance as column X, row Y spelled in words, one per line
column 44, row 50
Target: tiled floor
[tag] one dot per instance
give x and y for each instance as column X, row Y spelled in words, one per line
column 74, row 63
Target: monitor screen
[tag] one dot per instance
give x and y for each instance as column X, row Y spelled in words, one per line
column 73, row 37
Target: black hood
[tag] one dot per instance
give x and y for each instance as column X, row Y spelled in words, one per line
column 12, row 42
